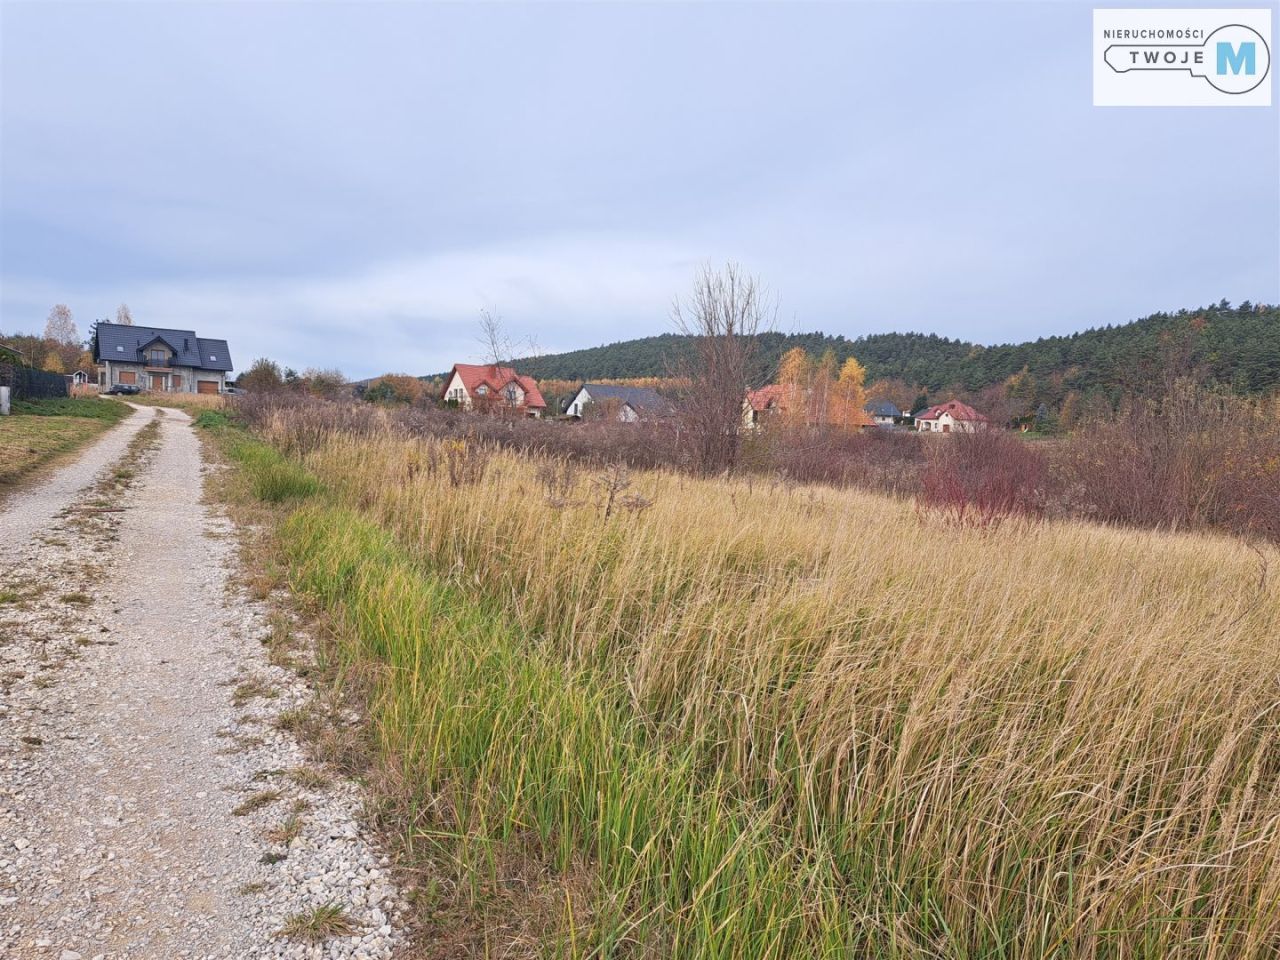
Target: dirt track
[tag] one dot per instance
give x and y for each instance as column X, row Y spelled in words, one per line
column 137, row 800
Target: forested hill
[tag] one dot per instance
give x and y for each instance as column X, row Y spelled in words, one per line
column 1237, row 347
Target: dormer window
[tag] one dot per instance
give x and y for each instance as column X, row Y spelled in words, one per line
column 482, row 390
column 157, row 358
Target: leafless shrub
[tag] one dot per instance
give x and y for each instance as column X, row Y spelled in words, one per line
column 979, row 479
column 615, row 479
column 465, row 462
column 889, row 462
column 635, row 503
column 558, row 478
column 727, row 310
column 1192, row 458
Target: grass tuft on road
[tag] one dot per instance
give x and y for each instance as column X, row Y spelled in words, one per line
column 318, row 924
column 257, row 801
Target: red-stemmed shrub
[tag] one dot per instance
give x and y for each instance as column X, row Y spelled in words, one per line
column 979, row 479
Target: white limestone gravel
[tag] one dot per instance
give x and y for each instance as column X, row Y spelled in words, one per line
column 123, row 641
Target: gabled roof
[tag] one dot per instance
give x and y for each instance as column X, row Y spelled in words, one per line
column 532, row 395
column 496, row 377
column 127, row 343
column 161, row 338
column 766, row 397
column 957, row 410
column 883, row 408
column 642, row 400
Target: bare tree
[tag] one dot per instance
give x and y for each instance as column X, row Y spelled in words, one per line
column 123, row 316
column 723, row 316
column 499, row 351
column 494, row 340
column 61, row 326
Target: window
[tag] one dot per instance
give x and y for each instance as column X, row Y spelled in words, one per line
column 482, row 390
column 157, row 358
column 213, row 356
column 119, row 349
column 511, row 393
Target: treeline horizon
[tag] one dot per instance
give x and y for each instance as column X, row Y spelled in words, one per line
column 1230, row 347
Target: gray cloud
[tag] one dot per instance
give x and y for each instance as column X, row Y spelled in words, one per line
column 349, row 184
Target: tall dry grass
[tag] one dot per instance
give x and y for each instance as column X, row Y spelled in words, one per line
column 808, row 722
column 192, row 403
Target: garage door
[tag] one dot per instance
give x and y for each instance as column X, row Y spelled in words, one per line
column 207, row 386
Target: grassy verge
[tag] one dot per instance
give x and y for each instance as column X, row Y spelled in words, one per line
column 271, row 478
column 452, row 685
column 39, row 431
column 654, row 716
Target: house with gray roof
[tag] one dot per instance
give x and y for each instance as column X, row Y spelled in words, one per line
column 883, row 412
column 630, row 403
column 160, row 359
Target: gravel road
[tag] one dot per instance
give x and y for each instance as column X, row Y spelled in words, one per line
column 32, row 511
column 152, row 802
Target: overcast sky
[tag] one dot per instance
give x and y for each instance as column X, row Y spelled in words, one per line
column 349, row 185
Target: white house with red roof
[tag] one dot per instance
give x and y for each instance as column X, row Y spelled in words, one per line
column 490, row 386
column 760, row 404
column 951, row 417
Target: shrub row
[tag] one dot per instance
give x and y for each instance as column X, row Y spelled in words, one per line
column 1194, row 459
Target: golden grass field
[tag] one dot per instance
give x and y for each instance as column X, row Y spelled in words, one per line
column 743, row 720
column 192, row 403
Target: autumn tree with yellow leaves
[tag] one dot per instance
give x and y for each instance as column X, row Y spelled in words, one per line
column 815, row 393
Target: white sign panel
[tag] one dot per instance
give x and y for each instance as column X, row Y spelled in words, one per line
column 1182, row 58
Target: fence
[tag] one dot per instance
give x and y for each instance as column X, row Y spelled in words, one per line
column 28, row 384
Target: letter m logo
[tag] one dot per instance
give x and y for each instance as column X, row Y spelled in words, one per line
column 1234, row 59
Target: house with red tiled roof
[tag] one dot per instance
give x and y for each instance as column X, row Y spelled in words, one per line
column 761, row 404
column 951, row 417
column 490, row 386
